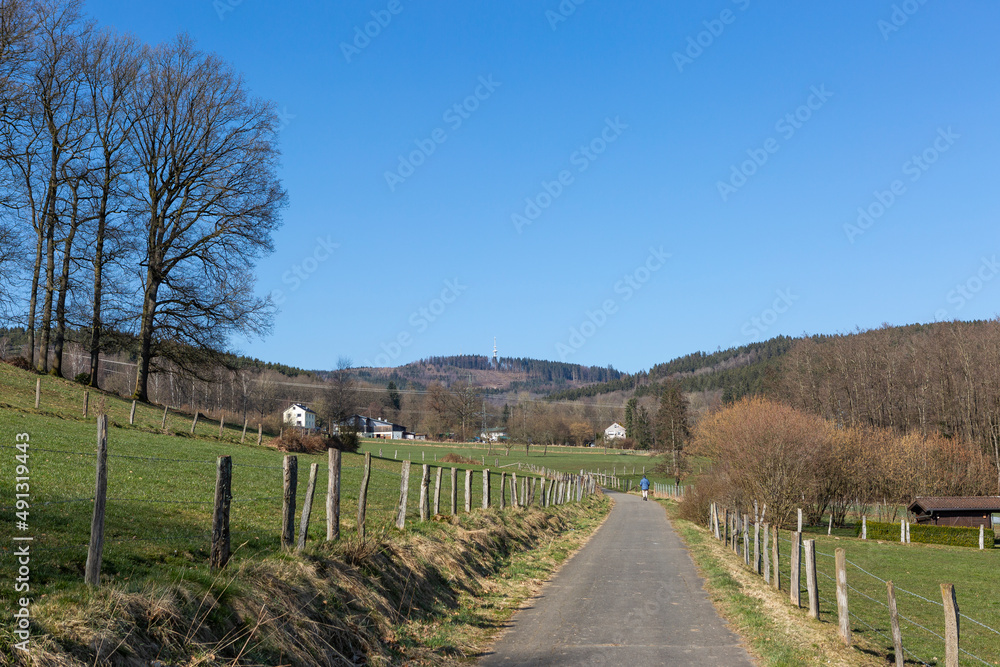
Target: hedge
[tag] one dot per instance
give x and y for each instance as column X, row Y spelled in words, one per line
column 955, row 536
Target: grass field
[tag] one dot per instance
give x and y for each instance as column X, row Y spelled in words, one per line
column 917, row 571
column 161, row 483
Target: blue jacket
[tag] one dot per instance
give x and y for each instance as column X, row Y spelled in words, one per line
column 644, row 484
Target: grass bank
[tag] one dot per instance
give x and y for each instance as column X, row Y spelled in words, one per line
column 783, row 635
column 433, row 595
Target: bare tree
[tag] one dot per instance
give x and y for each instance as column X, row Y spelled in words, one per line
column 207, row 156
column 340, row 397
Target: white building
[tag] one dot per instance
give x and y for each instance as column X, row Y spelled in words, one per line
column 369, row 427
column 299, row 415
column 614, row 431
column 493, row 434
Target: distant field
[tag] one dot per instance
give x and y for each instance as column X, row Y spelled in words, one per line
column 161, row 485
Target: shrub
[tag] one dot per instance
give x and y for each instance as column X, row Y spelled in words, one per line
column 456, row 458
column 82, row 378
column 294, row 441
column 954, row 536
column 19, row 362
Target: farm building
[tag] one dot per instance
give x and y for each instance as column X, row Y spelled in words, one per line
column 299, row 415
column 970, row 511
column 369, row 427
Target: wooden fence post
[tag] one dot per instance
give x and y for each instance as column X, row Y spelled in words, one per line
column 437, row 489
column 842, row 611
column 486, row 489
column 756, row 547
column 243, row 436
column 764, row 556
column 513, row 490
column 163, row 422
column 260, row 433
column 800, row 520
column 404, row 490
column 864, row 527
column 503, row 491
column 38, row 392
column 468, row 490
column 811, row 583
column 776, row 557
column 307, row 506
column 902, row 531
column 454, row 491
column 542, row 500
column 92, row 573
column 86, row 402
column 746, row 540
column 829, row 528
column 897, row 635
column 131, row 415
column 795, row 580
column 220, row 515
column 363, row 495
column 425, row 483
column 952, row 630
column 194, row 422
column 291, row 477
column 332, row 494
column 222, row 424
column 982, row 541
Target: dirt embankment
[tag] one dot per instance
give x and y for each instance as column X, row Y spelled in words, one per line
column 416, row 598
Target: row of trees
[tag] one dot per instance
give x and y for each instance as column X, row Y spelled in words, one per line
column 138, row 186
column 939, row 379
column 773, row 453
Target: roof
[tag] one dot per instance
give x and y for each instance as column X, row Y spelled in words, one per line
column 299, row 405
column 952, row 503
column 613, row 425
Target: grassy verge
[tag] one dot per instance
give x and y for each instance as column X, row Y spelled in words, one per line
column 434, row 595
column 774, row 632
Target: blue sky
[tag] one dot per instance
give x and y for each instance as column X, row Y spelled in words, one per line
column 687, row 176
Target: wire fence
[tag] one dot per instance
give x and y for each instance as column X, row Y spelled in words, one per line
column 159, row 509
column 921, row 618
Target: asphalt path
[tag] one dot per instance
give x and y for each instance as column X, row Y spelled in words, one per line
column 631, row 596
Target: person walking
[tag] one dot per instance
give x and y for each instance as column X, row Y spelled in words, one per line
column 644, row 485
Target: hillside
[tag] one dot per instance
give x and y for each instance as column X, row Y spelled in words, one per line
column 735, row 372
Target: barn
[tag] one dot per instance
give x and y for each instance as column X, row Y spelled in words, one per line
column 972, row 511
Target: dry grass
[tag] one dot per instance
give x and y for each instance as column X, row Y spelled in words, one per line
column 457, row 458
column 430, row 596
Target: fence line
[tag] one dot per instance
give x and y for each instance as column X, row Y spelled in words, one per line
column 732, row 528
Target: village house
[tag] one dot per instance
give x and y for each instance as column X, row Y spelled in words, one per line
column 614, row 431
column 299, row 415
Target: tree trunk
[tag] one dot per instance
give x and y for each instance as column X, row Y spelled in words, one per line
column 50, row 269
column 64, row 285
column 146, row 338
column 96, row 323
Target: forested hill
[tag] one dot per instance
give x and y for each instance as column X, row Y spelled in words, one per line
column 512, row 373
column 739, row 371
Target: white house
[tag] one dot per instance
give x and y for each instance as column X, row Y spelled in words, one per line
column 616, row 430
column 493, row 434
column 299, row 415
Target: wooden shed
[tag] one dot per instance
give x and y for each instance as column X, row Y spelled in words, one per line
column 972, row 511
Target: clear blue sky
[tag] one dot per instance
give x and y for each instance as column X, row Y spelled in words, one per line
column 663, row 124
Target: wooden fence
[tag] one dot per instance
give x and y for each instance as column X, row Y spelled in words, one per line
column 759, row 546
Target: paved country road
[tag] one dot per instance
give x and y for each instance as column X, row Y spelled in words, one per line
column 631, row 596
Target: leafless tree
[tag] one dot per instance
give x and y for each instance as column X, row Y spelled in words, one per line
column 207, row 156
